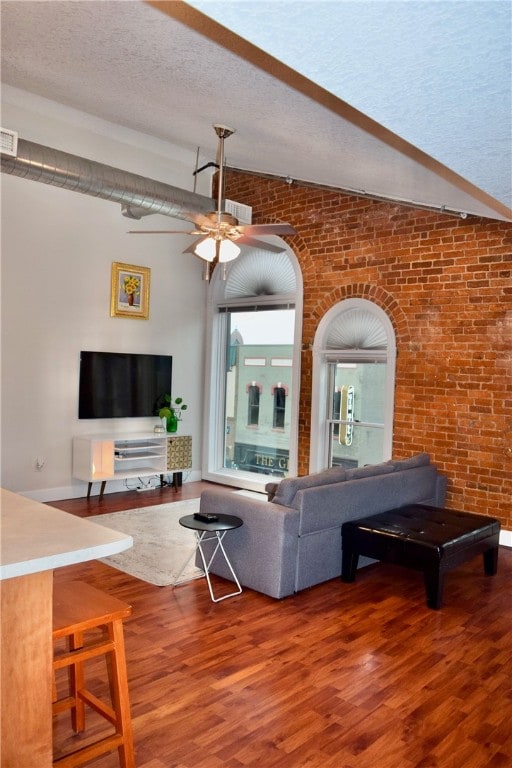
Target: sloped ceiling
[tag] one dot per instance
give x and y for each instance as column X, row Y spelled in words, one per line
column 165, row 69
column 438, row 74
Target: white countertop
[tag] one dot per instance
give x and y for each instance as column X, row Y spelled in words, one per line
column 35, row 537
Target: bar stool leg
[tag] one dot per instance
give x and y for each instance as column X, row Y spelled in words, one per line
column 76, row 683
column 118, row 680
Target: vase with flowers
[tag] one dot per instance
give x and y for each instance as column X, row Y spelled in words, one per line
column 131, row 288
column 172, row 412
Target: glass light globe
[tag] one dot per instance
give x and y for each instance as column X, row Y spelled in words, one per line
column 206, row 249
column 228, row 250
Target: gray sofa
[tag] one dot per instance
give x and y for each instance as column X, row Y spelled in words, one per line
column 293, row 540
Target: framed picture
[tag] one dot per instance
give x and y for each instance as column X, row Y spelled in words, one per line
column 129, row 292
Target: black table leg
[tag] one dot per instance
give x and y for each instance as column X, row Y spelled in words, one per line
column 434, row 583
column 491, row 561
column 349, row 561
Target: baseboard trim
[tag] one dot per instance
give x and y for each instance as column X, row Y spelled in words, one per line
column 78, row 491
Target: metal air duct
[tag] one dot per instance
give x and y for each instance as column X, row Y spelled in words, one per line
column 137, row 195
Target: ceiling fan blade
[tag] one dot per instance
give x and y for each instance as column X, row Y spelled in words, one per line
column 253, row 243
column 267, row 229
column 191, row 248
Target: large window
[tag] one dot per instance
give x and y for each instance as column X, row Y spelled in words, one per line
column 253, row 370
column 264, row 345
column 353, row 383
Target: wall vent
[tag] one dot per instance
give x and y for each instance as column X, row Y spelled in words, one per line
column 9, row 142
column 240, row 211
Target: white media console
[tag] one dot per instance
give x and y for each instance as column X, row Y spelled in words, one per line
column 99, row 458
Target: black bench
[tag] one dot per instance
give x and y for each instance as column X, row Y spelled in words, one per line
column 428, row 539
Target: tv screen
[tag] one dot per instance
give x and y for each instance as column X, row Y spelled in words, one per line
column 117, row 385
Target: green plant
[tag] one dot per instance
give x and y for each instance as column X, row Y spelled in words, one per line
column 176, row 405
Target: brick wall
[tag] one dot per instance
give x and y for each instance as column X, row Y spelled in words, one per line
column 446, row 285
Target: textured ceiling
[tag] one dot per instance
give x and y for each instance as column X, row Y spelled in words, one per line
column 168, row 71
column 438, row 74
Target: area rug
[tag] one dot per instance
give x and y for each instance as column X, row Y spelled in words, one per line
column 161, row 546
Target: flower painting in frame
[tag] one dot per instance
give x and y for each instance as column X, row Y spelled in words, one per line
column 129, row 293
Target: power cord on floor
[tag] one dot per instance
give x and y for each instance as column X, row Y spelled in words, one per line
column 143, row 484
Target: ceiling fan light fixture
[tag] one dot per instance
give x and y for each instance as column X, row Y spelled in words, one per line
column 228, row 251
column 219, row 230
column 206, row 249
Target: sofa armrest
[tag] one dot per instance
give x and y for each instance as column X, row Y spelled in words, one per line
column 263, row 551
column 225, row 501
column 440, row 491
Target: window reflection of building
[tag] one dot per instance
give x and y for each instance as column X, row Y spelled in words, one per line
column 253, row 402
column 279, row 407
column 258, row 435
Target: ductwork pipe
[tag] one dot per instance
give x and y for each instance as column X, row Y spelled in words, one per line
column 137, row 195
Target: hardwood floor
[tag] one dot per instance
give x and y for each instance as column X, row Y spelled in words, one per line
column 338, row 676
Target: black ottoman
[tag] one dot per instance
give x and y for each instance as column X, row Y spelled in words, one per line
column 428, row 539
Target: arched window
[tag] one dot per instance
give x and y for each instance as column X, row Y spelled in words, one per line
column 354, row 355
column 254, row 320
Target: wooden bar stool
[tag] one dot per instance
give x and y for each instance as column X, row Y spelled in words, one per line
column 80, row 610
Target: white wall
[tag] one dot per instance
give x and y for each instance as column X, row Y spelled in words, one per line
column 57, row 253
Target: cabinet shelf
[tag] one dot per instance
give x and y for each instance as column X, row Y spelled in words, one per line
column 141, row 471
column 131, row 456
column 122, row 446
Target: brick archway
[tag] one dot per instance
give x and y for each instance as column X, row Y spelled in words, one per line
column 373, row 293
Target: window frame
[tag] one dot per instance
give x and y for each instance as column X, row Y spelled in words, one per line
column 323, row 356
column 217, row 314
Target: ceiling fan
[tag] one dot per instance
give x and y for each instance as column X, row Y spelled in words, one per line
column 220, row 234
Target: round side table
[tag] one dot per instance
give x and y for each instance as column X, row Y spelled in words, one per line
column 218, row 530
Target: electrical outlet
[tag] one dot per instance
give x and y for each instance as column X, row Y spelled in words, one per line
column 39, row 463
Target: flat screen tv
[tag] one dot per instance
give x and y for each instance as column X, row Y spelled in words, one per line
column 116, row 385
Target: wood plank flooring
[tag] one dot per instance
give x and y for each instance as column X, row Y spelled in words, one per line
column 359, row 675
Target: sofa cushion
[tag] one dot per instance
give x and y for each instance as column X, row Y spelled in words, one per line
column 288, row 487
column 418, row 460
column 369, row 470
